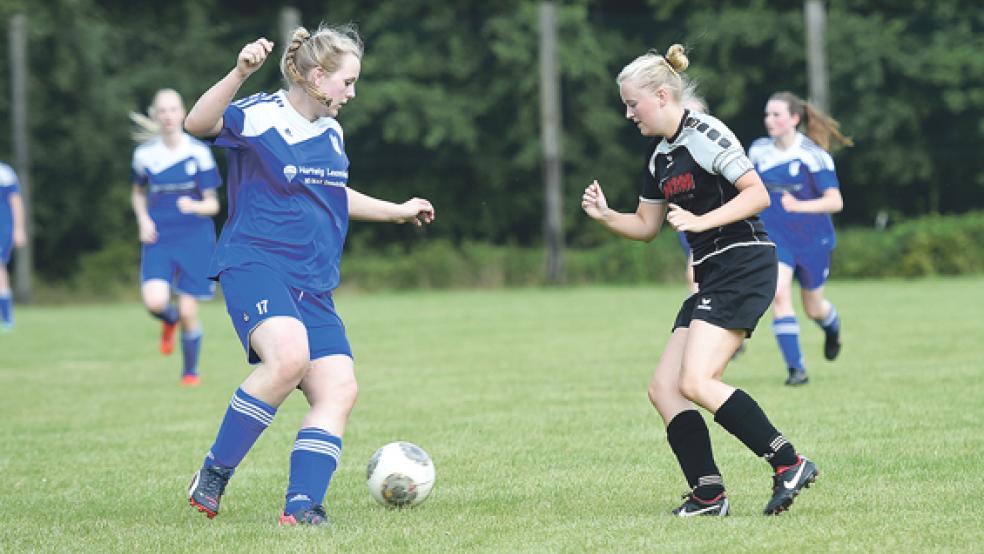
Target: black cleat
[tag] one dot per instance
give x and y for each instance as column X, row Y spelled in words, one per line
column 207, row 487
column 693, row 506
column 797, row 377
column 313, row 515
column 832, row 345
column 788, row 482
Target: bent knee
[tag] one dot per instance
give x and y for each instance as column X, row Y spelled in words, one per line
column 660, row 392
column 815, row 311
column 155, row 305
column 691, row 385
column 290, row 366
column 347, row 391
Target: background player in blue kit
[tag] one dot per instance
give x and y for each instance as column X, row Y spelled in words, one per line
column 13, row 234
column 279, row 253
column 802, row 182
column 699, row 179
column 174, row 181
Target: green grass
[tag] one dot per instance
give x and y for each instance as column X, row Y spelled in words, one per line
column 532, row 404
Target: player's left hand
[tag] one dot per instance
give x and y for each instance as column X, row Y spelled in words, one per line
column 789, row 202
column 416, row 210
column 682, row 220
column 186, row 205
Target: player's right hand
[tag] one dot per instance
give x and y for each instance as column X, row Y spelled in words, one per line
column 593, row 201
column 252, row 56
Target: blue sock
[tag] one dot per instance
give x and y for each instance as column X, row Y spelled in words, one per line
column 191, row 344
column 312, row 464
column 169, row 315
column 787, row 333
column 245, row 419
column 832, row 323
column 6, row 308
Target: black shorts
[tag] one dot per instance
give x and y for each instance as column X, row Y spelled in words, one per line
column 736, row 287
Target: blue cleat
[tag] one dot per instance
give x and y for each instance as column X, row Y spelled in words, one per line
column 313, row 515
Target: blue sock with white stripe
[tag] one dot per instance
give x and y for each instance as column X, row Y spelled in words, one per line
column 191, row 345
column 832, row 323
column 169, row 315
column 6, row 308
column 245, row 419
column 787, row 332
column 312, row 464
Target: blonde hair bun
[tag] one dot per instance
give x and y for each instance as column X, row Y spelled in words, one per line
column 677, row 59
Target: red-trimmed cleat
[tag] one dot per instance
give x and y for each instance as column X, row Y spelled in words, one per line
column 788, row 482
column 717, row 506
column 206, row 489
column 314, row 516
column 191, row 381
column 167, row 337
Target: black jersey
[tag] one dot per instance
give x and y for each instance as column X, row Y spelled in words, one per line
column 696, row 169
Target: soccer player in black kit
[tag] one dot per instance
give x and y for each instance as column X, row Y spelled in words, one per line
column 699, row 179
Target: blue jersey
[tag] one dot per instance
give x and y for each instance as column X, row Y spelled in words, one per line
column 804, row 170
column 288, row 203
column 8, row 187
column 168, row 174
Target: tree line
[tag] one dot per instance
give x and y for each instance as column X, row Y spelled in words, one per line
column 447, row 104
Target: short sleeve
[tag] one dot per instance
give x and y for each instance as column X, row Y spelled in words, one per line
column 732, row 163
column 650, row 191
column 716, row 149
column 138, row 171
column 231, row 134
column 208, row 174
column 825, row 175
column 8, row 181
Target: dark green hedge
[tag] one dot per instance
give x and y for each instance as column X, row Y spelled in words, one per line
column 934, row 245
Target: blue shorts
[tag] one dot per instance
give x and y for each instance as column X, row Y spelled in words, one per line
column 254, row 293
column 182, row 263
column 811, row 268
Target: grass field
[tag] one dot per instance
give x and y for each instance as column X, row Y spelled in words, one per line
column 532, row 404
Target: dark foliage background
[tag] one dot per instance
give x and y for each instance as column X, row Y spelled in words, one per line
column 448, row 103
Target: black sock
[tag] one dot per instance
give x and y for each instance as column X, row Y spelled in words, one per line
column 741, row 416
column 690, row 441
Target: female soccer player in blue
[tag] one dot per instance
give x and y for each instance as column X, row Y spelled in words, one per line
column 174, row 181
column 800, row 176
column 13, row 234
column 699, row 179
column 278, row 256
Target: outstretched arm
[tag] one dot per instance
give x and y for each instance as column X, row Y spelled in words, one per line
column 643, row 225
column 205, row 118
column 366, row 208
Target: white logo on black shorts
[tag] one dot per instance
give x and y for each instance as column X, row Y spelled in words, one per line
column 705, row 304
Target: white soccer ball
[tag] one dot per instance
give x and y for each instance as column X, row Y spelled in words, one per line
column 400, row 475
